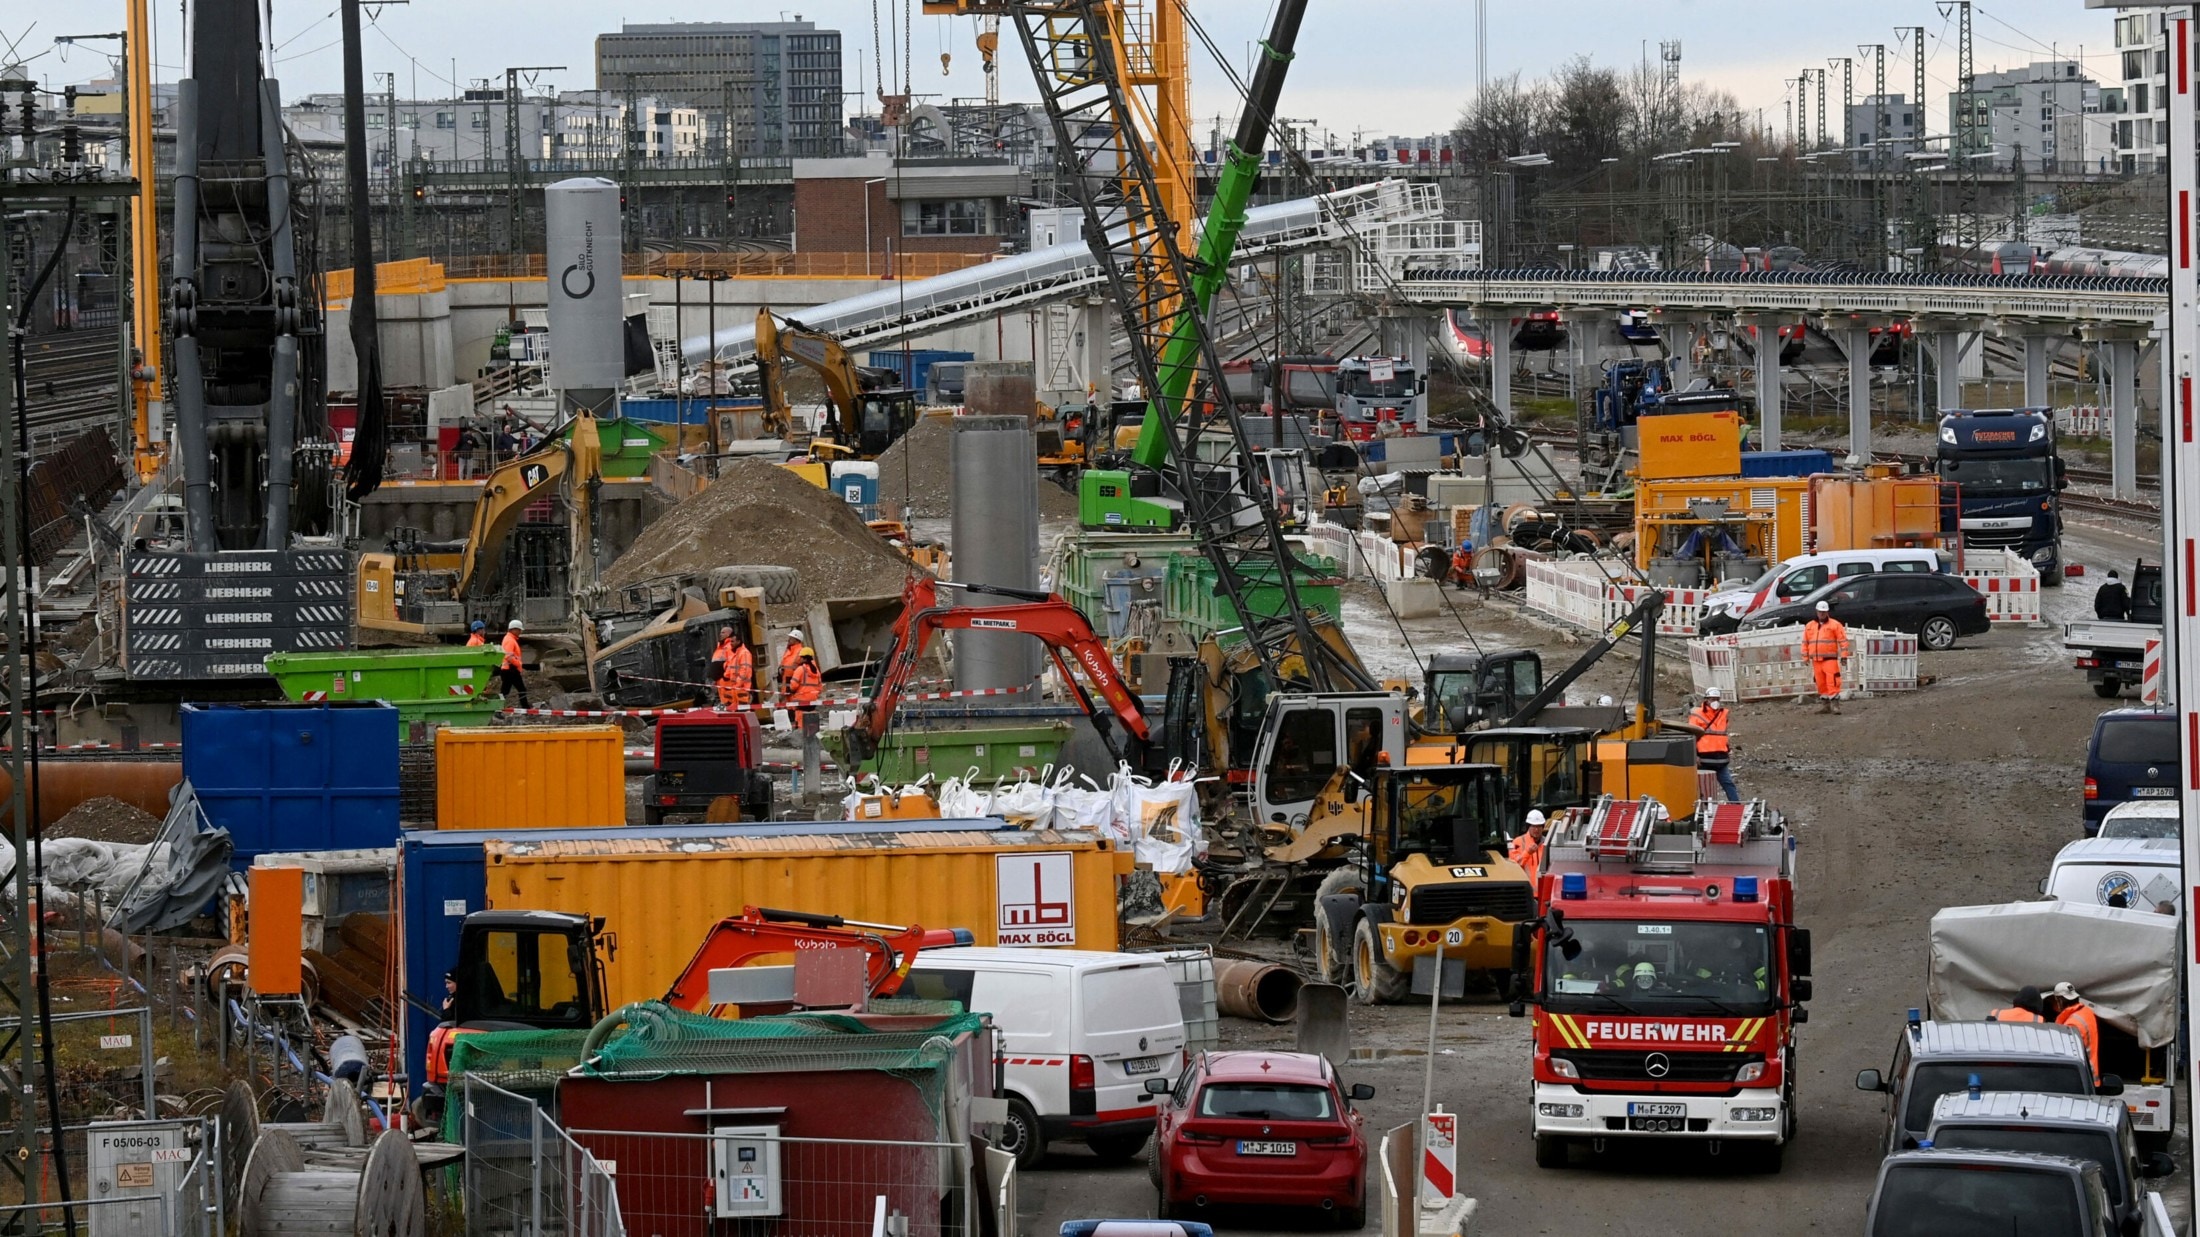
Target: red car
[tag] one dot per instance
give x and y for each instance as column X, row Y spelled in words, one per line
column 1268, row 1128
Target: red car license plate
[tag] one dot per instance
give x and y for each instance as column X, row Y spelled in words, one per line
column 1266, row 1148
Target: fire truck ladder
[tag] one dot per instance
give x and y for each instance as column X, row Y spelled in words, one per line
column 1073, row 48
column 1620, row 828
column 1731, row 824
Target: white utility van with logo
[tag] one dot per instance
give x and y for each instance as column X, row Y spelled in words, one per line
column 2139, row 874
column 1081, row 1032
column 1796, row 577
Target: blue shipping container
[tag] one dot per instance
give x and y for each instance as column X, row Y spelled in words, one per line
column 443, row 876
column 1801, row 463
column 693, row 411
column 290, row 777
column 919, row 365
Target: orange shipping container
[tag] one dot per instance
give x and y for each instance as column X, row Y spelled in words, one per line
column 661, row 895
column 275, row 963
column 529, row 777
column 1873, row 513
column 1689, row 444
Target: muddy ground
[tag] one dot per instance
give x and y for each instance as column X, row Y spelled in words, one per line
column 1956, row 794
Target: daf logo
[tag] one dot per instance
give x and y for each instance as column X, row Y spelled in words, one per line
column 1657, row 1065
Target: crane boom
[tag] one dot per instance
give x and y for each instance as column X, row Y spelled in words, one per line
column 1163, row 297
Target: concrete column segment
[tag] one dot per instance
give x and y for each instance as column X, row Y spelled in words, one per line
column 1497, row 336
column 1584, row 339
column 2123, row 424
column 1767, row 347
column 1856, row 341
column 2035, row 369
column 1947, row 371
column 1093, row 320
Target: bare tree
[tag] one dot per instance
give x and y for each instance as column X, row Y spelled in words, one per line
column 1505, row 119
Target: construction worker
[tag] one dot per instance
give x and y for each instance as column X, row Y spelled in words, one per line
column 509, row 679
column 1527, row 849
column 735, row 670
column 2023, row 1007
column 1714, row 747
column 2068, row 1009
column 2112, row 601
column 1462, row 564
column 804, row 684
column 790, row 655
column 1825, row 643
column 477, row 634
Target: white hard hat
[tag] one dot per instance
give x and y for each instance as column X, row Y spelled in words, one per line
column 2064, row 990
column 1604, row 702
column 1536, row 816
column 1824, row 608
column 796, row 634
column 514, row 625
column 1711, row 693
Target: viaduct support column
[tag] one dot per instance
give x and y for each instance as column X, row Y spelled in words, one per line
column 1854, row 333
column 1947, row 370
column 2119, row 348
column 2035, row 369
column 1768, row 378
column 1497, row 334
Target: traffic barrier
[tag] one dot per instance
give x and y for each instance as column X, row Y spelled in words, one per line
column 2150, row 675
column 1769, row 664
column 2010, row 584
column 1683, row 612
column 1571, row 592
column 2084, row 421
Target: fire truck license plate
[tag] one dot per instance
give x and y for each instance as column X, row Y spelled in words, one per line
column 1257, row 1148
column 1657, row 1110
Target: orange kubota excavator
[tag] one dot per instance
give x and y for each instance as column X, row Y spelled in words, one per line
column 544, row 971
column 1043, row 616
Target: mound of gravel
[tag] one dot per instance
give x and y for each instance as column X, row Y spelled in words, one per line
column 915, row 471
column 758, row 512
column 102, row 819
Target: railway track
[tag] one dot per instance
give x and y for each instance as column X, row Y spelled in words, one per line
column 69, row 382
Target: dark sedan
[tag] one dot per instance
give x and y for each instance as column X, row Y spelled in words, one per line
column 1937, row 609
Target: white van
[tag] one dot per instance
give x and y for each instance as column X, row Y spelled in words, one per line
column 2095, row 871
column 1723, row 611
column 1081, row 1032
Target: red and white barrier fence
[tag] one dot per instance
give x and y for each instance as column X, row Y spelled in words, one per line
column 2010, row 584
column 2085, row 421
column 1769, row 664
column 1580, row 593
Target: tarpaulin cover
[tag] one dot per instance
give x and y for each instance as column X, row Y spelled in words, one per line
column 2123, row 962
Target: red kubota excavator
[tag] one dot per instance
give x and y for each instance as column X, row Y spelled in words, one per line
column 543, row 971
column 1043, row 616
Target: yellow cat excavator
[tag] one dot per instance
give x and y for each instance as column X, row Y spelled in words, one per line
column 870, row 408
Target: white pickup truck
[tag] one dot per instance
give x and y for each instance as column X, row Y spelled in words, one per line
column 2113, row 654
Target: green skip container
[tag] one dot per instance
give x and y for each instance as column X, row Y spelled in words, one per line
column 911, row 751
column 453, row 686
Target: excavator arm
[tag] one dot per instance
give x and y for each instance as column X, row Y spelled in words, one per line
column 815, row 351
column 508, row 491
column 1642, row 616
column 1043, row 616
column 761, row 933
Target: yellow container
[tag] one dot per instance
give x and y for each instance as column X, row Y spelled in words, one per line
column 661, row 895
column 1689, row 444
column 1876, row 513
column 530, row 777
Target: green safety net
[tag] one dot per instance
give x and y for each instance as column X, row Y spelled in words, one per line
column 526, row 1062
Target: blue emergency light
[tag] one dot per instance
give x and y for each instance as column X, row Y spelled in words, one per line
column 1573, row 886
column 1745, row 889
column 1915, row 1017
column 1973, row 1084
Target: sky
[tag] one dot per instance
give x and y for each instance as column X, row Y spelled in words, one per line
column 1366, row 68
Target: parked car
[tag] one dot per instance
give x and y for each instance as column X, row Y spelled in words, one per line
column 1936, row 609
column 2143, row 818
column 2137, row 873
column 1265, row 1128
column 1964, row 1193
column 2077, row 1127
column 1789, row 579
column 1934, row 1058
column 1082, row 1032
column 2133, row 755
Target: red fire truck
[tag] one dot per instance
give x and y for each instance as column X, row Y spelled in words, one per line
column 1667, row 976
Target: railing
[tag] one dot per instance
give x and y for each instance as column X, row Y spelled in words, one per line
column 525, row 1177
column 724, row 266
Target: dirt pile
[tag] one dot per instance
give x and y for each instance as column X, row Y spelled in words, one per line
column 915, row 471
column 758, row 512
column 102, row 819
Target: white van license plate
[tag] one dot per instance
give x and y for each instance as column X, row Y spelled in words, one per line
column 1260, row 1148
column 1143, row 1065
column 2154, row 792
column 1657, row 1110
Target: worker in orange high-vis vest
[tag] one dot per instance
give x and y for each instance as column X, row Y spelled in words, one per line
column 790, row 655
column 736, row 668
column 1825, row 643
column 476, row 636
column 1527, row 849
column 805, row 684
column 1714, row 741
column 2067, row 1008
column 509, row 679
column 2023, row 1007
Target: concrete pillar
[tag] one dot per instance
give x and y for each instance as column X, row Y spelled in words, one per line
column 1679, row 334
column 1095, row 327
column 1768, row 378
column 1497, row 332
column 1947, row 373
column 1584, row 349
column 993, row 467
column 1856, row 340
column 2035, row 369
column 2123, row 406
column 1408, row 335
